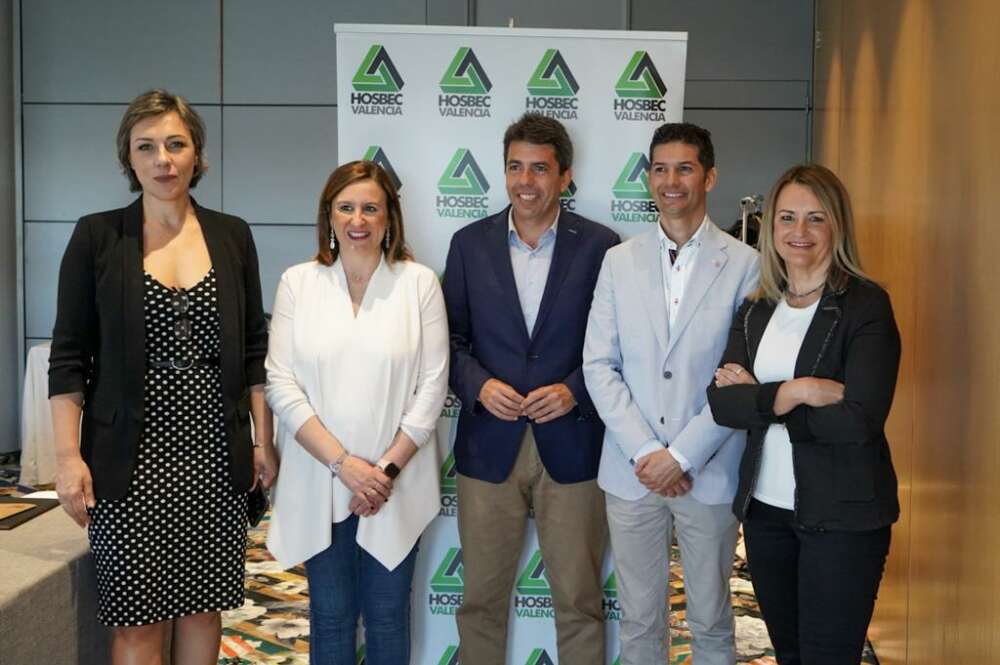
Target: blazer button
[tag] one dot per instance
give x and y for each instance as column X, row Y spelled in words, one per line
column 532, row 356
column 667, row 374
column 661, row 420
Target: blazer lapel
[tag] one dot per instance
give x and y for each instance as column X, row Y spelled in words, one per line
column 226, row 286
column 133, row 290
column 567, row 240
column 648, row 271
column 825, row 319
column 498, row 249
column 708, row 265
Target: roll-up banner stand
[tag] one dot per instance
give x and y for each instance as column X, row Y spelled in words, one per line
column 430, row 104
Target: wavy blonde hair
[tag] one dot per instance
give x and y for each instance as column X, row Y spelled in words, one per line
column 833, row 196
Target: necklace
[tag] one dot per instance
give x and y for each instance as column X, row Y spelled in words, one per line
column 789, row 291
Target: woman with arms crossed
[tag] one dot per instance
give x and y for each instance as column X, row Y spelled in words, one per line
column 810, row 370
column 160, row 340
column 357, row 374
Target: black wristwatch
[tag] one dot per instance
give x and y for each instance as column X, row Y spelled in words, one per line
column 388, row 468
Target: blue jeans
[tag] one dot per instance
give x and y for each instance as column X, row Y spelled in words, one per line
column 344, row 582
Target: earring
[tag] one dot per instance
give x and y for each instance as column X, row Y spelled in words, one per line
column 333, row 240
column 385, row 240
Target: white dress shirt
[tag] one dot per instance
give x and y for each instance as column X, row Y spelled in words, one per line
column 675, row 278
column 776, row 356
column 365, row 377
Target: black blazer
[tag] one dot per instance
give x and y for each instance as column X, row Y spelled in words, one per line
column 489, row 339
column 98, row 342
column 844, row 479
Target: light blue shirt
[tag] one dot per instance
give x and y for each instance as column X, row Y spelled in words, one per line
column 531, row 268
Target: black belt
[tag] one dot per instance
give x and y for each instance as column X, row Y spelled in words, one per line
column 182, row 363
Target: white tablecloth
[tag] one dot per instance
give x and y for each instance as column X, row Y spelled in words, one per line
column 38, row 453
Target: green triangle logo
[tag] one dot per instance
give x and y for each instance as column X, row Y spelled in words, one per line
column 377, row 155
column 448, row 576
column 640, row 78
column 465, row 75
column 539, row 657
column 450, row 656
column 618, row 661
column 377, row 73
column 552, row 77
column 449, row 476
column 462, row 176
column 569, row 192
column 633, row 181
column 611, row 587
column 533, row 580
column 360, row 660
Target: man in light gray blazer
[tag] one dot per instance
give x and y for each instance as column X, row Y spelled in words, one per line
column 658, row 325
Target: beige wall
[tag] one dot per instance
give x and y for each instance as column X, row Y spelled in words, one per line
column 908, row 113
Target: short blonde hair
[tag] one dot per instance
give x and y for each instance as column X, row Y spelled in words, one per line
column 833, row 196
column 149, row 105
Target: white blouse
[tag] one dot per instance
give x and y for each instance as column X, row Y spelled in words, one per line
column 776, row 356
column 364, row 377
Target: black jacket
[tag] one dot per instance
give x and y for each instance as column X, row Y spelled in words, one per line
column 98, row 342
column 843, row 470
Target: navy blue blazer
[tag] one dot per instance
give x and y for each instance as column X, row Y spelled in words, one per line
column 489, row 339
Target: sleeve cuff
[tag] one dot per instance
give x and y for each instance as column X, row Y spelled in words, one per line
column 649, row 447
column 419, row 435
column 681, row 460
column 766, row 395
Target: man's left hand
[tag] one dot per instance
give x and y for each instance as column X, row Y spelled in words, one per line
column 659, row 472
column 548, row 403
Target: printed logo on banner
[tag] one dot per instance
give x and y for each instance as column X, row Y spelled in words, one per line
column 632, row 201
column 449, row 487
column 612, row 609
column 462, row 188
column 466, row 87
column 377, row 85
column 640, row 91
column 539, row 657
column 450, row 656
column 360, row 660
column 377, row 155
column 552, row 88
column 447, row 584
column 567, row 199
column 533, row 597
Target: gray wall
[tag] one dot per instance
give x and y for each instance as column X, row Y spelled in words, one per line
column 263, row 75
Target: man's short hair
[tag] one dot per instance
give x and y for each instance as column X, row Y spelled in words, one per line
column 541, row 130
column 686, row 132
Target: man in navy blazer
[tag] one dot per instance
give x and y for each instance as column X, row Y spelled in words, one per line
column 518, row 287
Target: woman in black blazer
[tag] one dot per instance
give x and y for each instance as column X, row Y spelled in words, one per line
column 159, row 341
column 810, row 370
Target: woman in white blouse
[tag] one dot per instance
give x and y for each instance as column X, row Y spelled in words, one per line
column 357, row 372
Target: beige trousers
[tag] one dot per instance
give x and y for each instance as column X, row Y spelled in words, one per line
column 573, row 534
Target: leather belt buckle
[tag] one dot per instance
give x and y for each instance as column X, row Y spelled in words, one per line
column 187, row 363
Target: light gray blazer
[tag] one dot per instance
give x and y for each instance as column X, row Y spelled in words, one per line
column 648, row 381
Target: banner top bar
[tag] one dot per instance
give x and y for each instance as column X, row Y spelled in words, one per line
column 507, row 32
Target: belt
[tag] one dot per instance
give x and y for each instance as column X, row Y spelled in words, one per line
column 182, row 363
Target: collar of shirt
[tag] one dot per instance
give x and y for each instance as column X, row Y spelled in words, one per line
column 693, row 242
column 514, row 238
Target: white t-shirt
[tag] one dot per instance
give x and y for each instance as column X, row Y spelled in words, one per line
column 776, row 356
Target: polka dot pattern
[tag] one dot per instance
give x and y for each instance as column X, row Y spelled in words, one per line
column 175, row 543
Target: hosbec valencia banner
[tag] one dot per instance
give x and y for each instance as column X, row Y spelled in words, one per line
column 430, row 105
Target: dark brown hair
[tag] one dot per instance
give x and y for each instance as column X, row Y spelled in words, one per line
column 341, row 178
column 541, row 130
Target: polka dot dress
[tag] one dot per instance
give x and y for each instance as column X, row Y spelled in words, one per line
column 175, row 543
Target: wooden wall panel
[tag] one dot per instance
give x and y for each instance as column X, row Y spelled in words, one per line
column 909, row 120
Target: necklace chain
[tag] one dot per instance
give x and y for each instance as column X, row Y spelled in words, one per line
column 789, row 291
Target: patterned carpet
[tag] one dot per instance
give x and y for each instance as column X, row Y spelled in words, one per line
column 272, row 628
